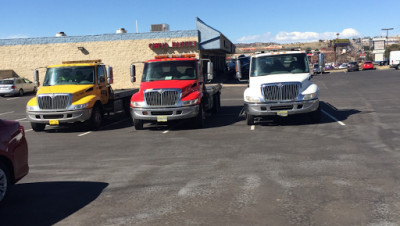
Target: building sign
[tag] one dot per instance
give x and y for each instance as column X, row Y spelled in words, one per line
column 379, row 45
column 340, row 42
column 172, row 45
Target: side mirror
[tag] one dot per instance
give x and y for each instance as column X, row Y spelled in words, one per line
column 36, row 78
column 210, row 71
column 133, row 73
column 110, row 77
column 238, row 70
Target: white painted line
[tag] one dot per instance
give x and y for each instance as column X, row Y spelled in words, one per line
column 28, row 130
column 252, row 127
column 335, row 119
column 20, row 119
column 10, row 112
column 13, row 98
column 166, row 131
column 83, row 134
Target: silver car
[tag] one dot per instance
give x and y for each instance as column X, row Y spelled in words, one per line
column 16, row 86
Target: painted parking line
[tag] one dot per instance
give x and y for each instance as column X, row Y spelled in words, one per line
column 20, row 119
column 83, row 134
column 4, row 113
column 13, row 98
column 28, row 130
column 335, row 119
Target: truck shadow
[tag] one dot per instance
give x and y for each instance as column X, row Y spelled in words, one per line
column 47, row 203
column 113, row 122
column 329, row 114
column 227, row 115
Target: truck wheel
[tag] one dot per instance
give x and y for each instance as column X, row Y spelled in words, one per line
column 138, row 124
column 315, row 116
column 200, row 119
column 21, row 92
column 249, row 119
column 38, row 127
column 97, row 118
column 217, row 103
column 4, row 181
column 398, row 67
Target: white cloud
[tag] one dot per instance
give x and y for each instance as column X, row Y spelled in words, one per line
column 256, row 38
column 288, row 37
column 15, row 36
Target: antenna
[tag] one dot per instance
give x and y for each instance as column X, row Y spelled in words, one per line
column 137, row 28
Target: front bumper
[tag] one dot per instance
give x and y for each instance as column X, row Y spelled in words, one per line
column 62, row 116
column 289, row 108
column 174, row 113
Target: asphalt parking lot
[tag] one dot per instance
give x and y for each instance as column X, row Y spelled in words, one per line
column 283, row 171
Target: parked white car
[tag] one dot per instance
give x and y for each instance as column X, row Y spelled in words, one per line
column 16, row 86
column 394, row 60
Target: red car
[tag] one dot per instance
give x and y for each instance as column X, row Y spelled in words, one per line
column 13, row 155
column 367, row 65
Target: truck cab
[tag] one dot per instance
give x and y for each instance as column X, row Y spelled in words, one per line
column 74, row 91
column 174, row 88
column 280, row 84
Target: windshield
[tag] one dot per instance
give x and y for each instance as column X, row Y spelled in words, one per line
column 69, row 75
column 169, row 70
column 279, row 64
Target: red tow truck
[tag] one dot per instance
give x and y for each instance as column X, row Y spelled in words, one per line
column 173, row 88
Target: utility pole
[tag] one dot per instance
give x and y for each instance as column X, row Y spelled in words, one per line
column 387, row 35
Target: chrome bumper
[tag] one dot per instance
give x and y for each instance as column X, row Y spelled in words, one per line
column 61, row 116
column 175, row 113
column 291, row 108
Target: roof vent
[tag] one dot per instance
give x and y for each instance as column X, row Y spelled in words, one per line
column 121, row 31
column 159, row 27
column 61, row 34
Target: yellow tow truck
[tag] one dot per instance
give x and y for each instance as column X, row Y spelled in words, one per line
column 76, row 91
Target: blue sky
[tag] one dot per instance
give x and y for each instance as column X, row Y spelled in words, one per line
column 242, row 21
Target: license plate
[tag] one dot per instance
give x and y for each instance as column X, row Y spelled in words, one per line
column 161, row 118
column 54, row 122
column 282, row 113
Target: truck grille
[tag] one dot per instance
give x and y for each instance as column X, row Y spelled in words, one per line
column 280, row 91
column 51, row 102
column 162, row 97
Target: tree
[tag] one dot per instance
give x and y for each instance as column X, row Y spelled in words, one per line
column 391, row 48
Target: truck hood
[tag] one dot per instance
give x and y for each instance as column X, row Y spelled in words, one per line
column 303, row 78
column 187, row 86
column 73, row 89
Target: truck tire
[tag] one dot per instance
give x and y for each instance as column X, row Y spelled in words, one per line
column 249, row 119
column 398, row 67
column 97, row 118
column 21, row 92
column 200, row 119
column 138, row 124
column 4, row 181
column 315, row 116
column 38, row 127
column 216, row 103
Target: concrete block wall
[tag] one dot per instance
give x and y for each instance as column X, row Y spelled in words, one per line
column 25, row 58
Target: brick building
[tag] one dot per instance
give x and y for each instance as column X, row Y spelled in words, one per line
column 118, row 50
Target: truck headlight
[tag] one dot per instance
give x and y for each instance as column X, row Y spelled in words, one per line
column 310, row 96
column 79, row 106
column 190, row 102
column 138, row 104
column 252, row 99
column 32, row 108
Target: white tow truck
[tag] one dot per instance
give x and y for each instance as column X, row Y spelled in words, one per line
column 280, row 84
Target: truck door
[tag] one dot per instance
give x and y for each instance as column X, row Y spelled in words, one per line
column 101, row 82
